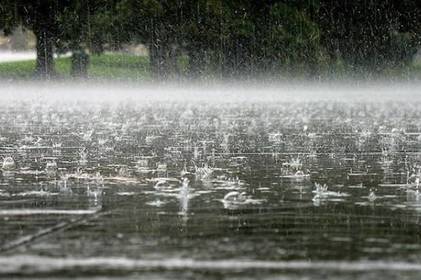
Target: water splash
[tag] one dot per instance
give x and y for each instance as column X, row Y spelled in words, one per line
column 184, row 197
column 372, row 195
column 8, row 164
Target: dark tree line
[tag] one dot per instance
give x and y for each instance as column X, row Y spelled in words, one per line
column 225, row 38
column 370, row 34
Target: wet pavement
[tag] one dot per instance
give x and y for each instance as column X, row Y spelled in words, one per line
column 290, row 190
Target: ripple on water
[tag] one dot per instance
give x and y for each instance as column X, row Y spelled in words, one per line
column 101, row 146
column 126, row 193
column 29, row 212
column 35, row 193
column 156, row 203
column 27, row 265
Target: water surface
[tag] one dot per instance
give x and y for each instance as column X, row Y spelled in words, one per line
column 228, row 190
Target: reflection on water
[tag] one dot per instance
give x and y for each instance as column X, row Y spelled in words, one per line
column 211, row 191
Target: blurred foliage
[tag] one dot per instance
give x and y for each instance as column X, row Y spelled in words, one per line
column 228, row 38
column 371, row 35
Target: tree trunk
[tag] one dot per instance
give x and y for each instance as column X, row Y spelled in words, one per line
column 171, row 61
column 80, row 62
column 162, row 53
column 45, row 59
column 196, row 63
column 161, row 60
column 155, row 60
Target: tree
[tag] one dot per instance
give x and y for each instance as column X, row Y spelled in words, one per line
column 292, row 40
column 155, row 23
column 247, row 37
column 40, row 16
column 370, row 35
column 7, row 19
column 203, row 33
column 86, row 26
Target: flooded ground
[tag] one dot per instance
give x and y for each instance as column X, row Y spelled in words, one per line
column 221, row 190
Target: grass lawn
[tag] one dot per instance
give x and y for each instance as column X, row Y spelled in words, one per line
column 115, row 66
column 126, row 67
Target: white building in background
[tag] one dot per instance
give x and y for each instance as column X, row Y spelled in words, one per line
column 10, row 56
